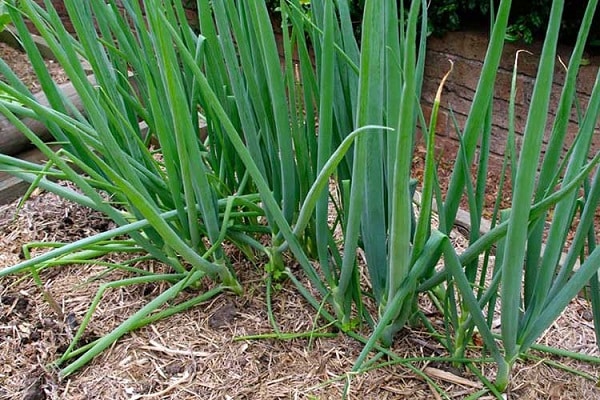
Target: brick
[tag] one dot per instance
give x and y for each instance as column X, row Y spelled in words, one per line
column 467, row 44
column 498, row 141
column 464, row 70
column 495, row 163
column 570, row 135
column 447, row 147
column 503, row 87
column 460, row 119
column 586, row 79
column 501, row 115
column 595, row 142
column 528, row 59
column 458, row 99
column 467, row 73
column 555, row 101
column 442, row 119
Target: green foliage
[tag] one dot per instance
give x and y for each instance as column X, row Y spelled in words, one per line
column 528, row 19
column 215, row 142
column 4, row 16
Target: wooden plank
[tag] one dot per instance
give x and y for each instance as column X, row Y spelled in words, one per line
column 11, row 188
column 10, row 37
column 12, row 141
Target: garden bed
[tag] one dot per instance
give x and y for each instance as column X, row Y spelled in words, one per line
column 195, row 354
column 202, row 353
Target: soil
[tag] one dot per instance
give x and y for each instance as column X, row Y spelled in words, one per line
column 198, row 354
column 22, row 67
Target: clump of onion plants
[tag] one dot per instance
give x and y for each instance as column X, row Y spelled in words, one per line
column 381, row 86
column 205, row 137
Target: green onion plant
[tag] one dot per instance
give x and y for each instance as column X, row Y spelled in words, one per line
column 190, row 139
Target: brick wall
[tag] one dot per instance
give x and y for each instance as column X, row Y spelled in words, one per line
column 467, row 50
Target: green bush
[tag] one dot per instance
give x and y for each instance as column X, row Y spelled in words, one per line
column 528, row 19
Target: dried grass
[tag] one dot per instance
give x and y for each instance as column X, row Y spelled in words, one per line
column 195, row 354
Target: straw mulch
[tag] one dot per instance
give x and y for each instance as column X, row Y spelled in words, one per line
column 197, row 354
column 21, row 66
